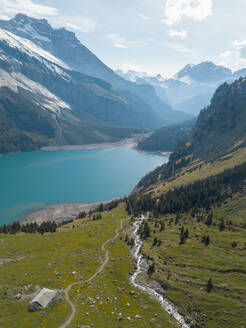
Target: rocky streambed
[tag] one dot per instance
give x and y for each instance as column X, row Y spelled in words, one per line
column 142, row 267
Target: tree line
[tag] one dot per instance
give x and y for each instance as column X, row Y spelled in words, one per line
column 16, row 227
column 191, row 197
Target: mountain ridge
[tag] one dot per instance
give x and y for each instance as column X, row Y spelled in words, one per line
column 219, row 133
column 190, row 89
column 64, row 45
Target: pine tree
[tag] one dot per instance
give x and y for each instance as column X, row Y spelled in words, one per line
column 101, row 208
column 162, row 228
column 222, row 225
column 82, row 215
column 146, row 231
column 178, row 216
column 209, row 220
column 210, row 286
column 151, row 268
column 182, row 240
column 155, row 241
column 5, row 229
column 186, row 233
column 207, row 241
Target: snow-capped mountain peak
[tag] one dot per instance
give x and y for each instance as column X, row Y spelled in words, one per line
column 206, row 72
column 135, row 76
column 37, row 29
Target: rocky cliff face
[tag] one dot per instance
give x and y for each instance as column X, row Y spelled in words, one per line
column 221, row 127
column 64, row 45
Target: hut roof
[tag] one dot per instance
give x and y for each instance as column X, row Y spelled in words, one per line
column 44, row 297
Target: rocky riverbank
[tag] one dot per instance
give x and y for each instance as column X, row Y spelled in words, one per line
column 138, row 281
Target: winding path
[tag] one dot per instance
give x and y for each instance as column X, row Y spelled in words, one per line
column 70, row 319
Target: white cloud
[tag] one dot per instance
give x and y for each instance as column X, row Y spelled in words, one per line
column 144, row 17
column 125, row 67
column 240, row 48
column 176, row 46
column 83, row 25
column 120, row 42
column 226, row 54
column 175, row 10
column 129, row 67
column 28, row 7
column 120, row 45
column 235, row 58
column 182, row 34
column 117, row 40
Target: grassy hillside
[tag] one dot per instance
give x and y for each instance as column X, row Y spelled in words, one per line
column 48, row 260
column 197, row 225
column 213, row 248
column 186, row 268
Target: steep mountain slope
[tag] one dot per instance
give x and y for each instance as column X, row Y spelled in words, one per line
column 83, row 109
column 222, row 126
column 166, row 138
column 83, row 93
column 64, row 45
column 195, row 226
column 218, row 136
column 24, row 125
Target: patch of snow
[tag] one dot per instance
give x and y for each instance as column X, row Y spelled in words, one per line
column 39, row 94
column 186, row 79
column 29, row 47
column 3, row 57
column 28, row 29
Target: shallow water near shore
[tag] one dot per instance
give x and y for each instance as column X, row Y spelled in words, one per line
column 30, row 181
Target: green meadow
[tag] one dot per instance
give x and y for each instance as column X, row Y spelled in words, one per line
column 186, row 268
column 73, row 253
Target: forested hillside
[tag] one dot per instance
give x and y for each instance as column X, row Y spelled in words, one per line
column 166, row 138
column 219, row 131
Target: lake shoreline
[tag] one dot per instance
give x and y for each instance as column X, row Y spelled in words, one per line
column 45, row 209
column 59, row 212
column 130, row 142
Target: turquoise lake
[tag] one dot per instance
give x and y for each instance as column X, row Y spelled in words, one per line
column 32, row 180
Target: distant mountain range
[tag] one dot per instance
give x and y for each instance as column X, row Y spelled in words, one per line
column 82, row 99
column 189, row 90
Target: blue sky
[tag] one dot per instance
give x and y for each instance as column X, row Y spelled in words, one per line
column 156, row 36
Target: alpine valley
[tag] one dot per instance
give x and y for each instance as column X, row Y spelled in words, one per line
column 67, row 95
column 171, row 253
